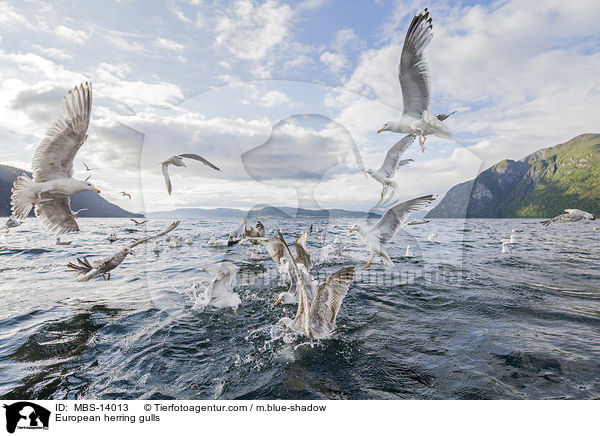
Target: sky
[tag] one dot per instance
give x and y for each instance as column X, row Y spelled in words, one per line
column 283, row 96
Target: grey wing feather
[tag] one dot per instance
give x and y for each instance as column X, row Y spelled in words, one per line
column 392, row 157
column 274, row 247
column 302, row 254
column 163, row 232
column 327, row 301
column 54, row 157
column 199, row 158
column 56, row 215
column 412, row 70
column 389, row 224
column 165, row 171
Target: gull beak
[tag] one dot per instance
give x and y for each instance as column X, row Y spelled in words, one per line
column 96, row 190
column 351, row 230
column 278, row 301
column 380, row 130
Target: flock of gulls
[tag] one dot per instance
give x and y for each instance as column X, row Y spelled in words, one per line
column 52, row 185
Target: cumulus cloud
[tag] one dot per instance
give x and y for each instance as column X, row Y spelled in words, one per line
column 251, row 31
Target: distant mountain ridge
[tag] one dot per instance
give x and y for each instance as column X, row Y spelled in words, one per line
column 541, row 184
column 97, row 206
column 259, row 212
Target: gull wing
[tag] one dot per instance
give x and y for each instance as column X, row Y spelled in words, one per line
column 222, row 283
column 200, row 159
column 389, row 224
column 274, row 247
column 392, row 157
column 163, row 232
column 412, row 70
column 165, row 171
column 302, row 254
column 56, row 215
column 327, row 301
column 53, row 158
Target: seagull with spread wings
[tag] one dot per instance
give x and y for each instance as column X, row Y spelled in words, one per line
column 103, row 267
column 390, row 164
column 385, row 229
column 177, row 161
column 571, row 216
column 53, row 183
column 125, row 194
column 416, row 87
column 138, row 223
column 317, row 320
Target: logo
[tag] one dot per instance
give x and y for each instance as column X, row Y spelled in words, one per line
column 26, row 415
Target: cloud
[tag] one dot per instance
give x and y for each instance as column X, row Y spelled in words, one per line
column 273, row 98
column 169, row 45
column 250, row 32
column 336, row 62
column 347, row 38
column 71, row 35
column 52, row 52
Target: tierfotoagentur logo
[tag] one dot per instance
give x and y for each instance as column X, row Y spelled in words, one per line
column 26, row 416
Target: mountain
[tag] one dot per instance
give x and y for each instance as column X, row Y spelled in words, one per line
column 96, row 205
column 542, row 184
column 258, row 212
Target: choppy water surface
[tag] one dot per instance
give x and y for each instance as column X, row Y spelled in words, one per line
column 459, row 320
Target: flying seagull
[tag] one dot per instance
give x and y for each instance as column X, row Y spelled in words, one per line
column 318, row 320
column 103, row 267
column 88, row 169
column 177, row 160
column 390, row 164
column 385, row 229
column 571, row 216
column 138, row 223
column 125, row 194
column 53, row 181
column 415, row 83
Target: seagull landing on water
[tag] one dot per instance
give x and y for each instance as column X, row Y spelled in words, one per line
column 416, row 87
column 571, row 216
column 177, row 161
column 53, row 183
column 317, row 319
column 385, row 229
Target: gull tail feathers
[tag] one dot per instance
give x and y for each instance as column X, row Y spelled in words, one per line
column 82, row 266
column 439, row 128
column 23, row 195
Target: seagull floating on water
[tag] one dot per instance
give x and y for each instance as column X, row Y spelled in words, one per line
column 53, row 183
column 112, row 237
column 415, row 83
column 409, row 252
column 219, row 292
column 11, row 223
